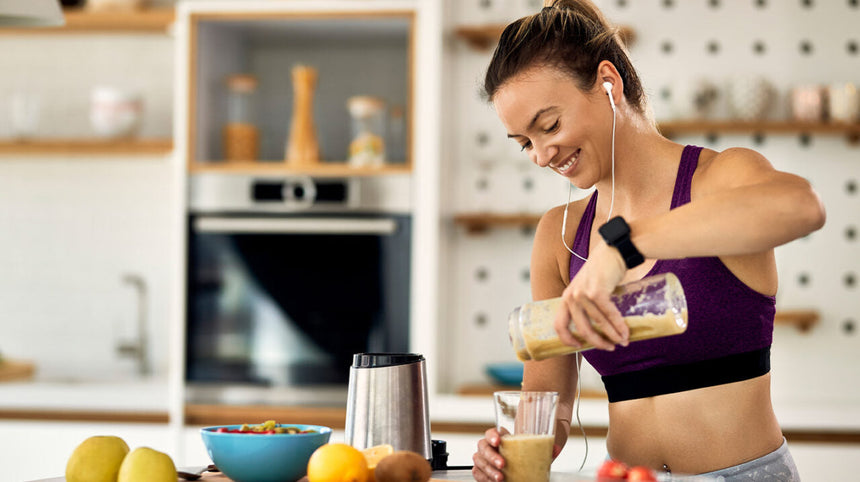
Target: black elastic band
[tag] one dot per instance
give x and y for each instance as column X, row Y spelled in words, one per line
column 689, row 376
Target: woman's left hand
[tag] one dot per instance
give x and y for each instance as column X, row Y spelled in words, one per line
column 588, row 304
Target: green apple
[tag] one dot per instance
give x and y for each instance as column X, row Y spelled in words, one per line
column 96, row 459
column 144, row 464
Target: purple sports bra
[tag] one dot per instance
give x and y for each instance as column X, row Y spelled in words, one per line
column 730, row 327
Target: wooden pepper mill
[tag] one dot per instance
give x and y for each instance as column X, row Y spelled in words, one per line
column 303, row 148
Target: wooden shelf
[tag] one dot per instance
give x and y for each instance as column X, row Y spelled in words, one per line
column 16, row 370
column 483, row 37
column 803, row 320
column 81, row 20
column 476, row 223
column 324, row 169
column 99, row 147
column 676, row 128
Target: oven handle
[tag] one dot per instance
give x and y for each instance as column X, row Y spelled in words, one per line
column 246, row 225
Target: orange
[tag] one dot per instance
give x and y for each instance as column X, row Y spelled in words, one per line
column 337, row 463
column 373, row 455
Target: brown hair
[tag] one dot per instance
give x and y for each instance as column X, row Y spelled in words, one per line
column 571, row 35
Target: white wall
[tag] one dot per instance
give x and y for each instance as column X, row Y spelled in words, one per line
column 74, row 225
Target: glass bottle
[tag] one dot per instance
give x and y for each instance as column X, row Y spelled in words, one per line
column 241, row 136
column 367, row 147
column 652, row 307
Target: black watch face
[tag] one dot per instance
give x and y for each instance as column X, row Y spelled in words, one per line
column 614, row 230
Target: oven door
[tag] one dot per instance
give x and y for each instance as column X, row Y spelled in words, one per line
column 285, row 300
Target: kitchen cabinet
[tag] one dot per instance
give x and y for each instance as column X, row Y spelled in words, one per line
column 358, row 48
column 34, row 450
column 367, row 52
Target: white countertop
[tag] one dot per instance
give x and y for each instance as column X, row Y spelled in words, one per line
column 144, row 395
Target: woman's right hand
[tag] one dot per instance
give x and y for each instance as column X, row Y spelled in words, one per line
column 488, row 461
column 587, row 303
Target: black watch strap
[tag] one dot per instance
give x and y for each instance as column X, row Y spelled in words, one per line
column 616, row 233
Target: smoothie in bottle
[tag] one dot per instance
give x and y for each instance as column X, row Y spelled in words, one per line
column 652, row 307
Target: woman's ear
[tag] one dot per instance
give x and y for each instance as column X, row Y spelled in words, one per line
column 606, row 72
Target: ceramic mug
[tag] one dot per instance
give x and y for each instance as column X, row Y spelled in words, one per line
column 843, row 102
column 807, row 103
column 115, row 112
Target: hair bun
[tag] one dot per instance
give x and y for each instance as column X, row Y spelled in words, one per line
column 559, row 4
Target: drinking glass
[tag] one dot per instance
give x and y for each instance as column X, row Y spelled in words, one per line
column 526, row 422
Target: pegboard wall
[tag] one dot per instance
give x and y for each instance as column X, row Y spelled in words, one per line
column 682, row 49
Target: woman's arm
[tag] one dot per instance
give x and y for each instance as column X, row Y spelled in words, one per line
column 550, row 263
column 741, row 205
column 557, row 374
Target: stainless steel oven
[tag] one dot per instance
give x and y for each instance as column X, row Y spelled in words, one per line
column 288, row 278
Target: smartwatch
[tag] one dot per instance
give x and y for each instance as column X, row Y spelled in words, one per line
column 616, row 233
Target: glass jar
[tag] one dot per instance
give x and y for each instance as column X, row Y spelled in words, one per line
column 652, row 307
column 367, row 147
column 240, row 134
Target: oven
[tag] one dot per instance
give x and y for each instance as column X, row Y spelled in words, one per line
column 289, row 277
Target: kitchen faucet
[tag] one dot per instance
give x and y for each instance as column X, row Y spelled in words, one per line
column 138, row 349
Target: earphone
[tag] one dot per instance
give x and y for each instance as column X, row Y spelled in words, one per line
column 607, row 86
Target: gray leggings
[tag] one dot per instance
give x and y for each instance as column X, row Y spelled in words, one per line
column 776, row 466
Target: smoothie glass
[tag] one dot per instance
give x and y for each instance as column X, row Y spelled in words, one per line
column 526, row 422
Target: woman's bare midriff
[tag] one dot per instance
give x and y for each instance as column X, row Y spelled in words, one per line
column 696, row 431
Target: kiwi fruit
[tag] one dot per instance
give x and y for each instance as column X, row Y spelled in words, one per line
column 403, row 466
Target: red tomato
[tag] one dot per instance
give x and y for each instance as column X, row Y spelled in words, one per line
column 612, row 469
column 222, row 430
column 641, row 474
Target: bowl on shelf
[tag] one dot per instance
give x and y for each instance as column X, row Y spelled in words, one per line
column 263, row 457
column 505, row 373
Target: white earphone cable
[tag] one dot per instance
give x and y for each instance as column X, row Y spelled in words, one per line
column 578, row 398
column 612, row 195
column 577, row 403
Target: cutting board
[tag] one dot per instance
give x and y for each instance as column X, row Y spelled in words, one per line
column 16, row 370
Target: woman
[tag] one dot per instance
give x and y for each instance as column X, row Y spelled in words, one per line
column 695, row 403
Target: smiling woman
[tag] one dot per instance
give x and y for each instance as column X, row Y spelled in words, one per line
column 565, row 90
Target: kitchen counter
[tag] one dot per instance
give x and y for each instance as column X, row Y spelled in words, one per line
column 144, row 400
column 148, row 400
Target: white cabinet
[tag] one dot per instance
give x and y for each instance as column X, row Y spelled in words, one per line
column 33, row 450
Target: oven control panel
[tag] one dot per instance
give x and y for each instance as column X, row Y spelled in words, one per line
column 295, row 193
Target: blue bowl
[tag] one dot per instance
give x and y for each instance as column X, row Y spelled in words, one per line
column 506, row 373
column 251, row 457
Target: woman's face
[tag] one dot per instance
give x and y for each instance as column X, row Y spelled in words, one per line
column 558, row 125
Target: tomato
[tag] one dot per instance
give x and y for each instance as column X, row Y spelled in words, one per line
column 641, row 474
column 611, row 470
column 223, row 430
